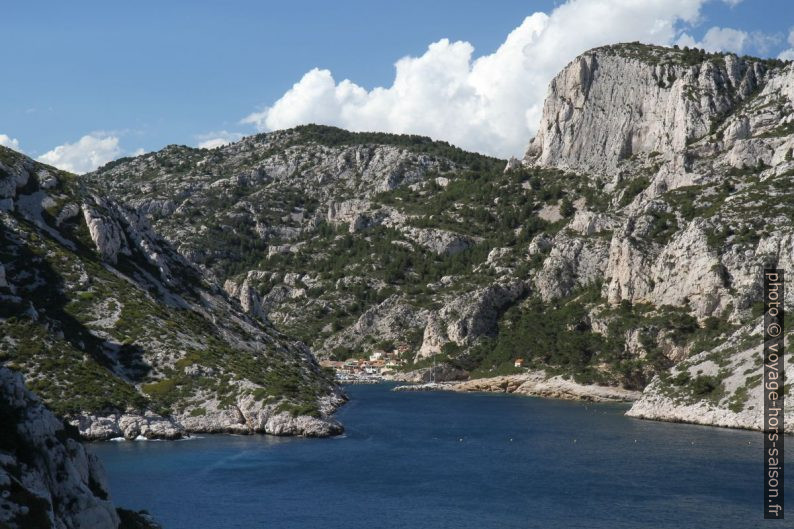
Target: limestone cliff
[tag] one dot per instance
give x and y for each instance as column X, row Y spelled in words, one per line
column 612, row 103
column 699, row 153
column 47, row 478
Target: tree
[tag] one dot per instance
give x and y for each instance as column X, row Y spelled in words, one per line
column 566, row 208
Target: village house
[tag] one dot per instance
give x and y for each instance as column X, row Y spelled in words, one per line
column 377, row 355
column 378, row 363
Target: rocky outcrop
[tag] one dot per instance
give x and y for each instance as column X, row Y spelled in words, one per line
column 287, row 424
column 106, row 234
column 116, row 230
column 47, row 478
column 250, row 415
column 247, row 295
column 657, row 406
column 440, row 242
column 468, row 317
column 391, row 320
column 247, row 416
column 572, row 262
column 14, row 177
column 612, row 103
column 531, row 384
column 719, row 387
column 695, row 150
column 539, row 384
column 127, row 425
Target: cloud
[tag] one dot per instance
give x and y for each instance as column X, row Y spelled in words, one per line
column 490, row 104
column 730, row 39
column 219, row 138
column 88, row 153
column 11, row 143
column 788, row 55
column 718, row 39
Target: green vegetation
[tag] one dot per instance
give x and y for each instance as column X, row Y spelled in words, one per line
column 706, row 386
column 699, row 201
column 740, row 396
column 333, row 136
column 560, row 338
column 687, row 388
column 662, row 227
column 631, row 188
column 67, row 379
column 786, row 129
column 682, row 56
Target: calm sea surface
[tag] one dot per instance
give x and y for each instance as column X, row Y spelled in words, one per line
column 446, row 460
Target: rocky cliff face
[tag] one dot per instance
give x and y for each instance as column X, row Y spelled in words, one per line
column 699, row 149
column 122, row 336
column 727, row 382
column 613, row 103
column 630, row 239
column 47, row 478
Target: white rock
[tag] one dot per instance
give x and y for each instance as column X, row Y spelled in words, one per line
column 68, row 481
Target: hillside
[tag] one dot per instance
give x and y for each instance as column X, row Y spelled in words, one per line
column 624, row 250
column 122, row 336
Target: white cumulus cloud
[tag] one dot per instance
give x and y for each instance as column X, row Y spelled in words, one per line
column 86, row 154
column 217, row 139
column 11, row 143
column 788, row 55
column 718, row 39
column 491, row 104
column 730, row 39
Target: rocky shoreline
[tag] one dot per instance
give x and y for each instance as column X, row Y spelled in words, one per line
column 152, row 426
column 532, row 384
column 655, row 405
column 246, row 417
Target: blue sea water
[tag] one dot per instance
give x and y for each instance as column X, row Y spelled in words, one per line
column 447, row 460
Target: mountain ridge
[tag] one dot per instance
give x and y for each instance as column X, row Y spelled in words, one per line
column 359, row 241
column 452, row 257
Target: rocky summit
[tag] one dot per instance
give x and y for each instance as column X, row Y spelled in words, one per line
column 624, row 250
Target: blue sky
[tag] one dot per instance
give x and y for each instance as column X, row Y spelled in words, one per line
column 147, row 74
